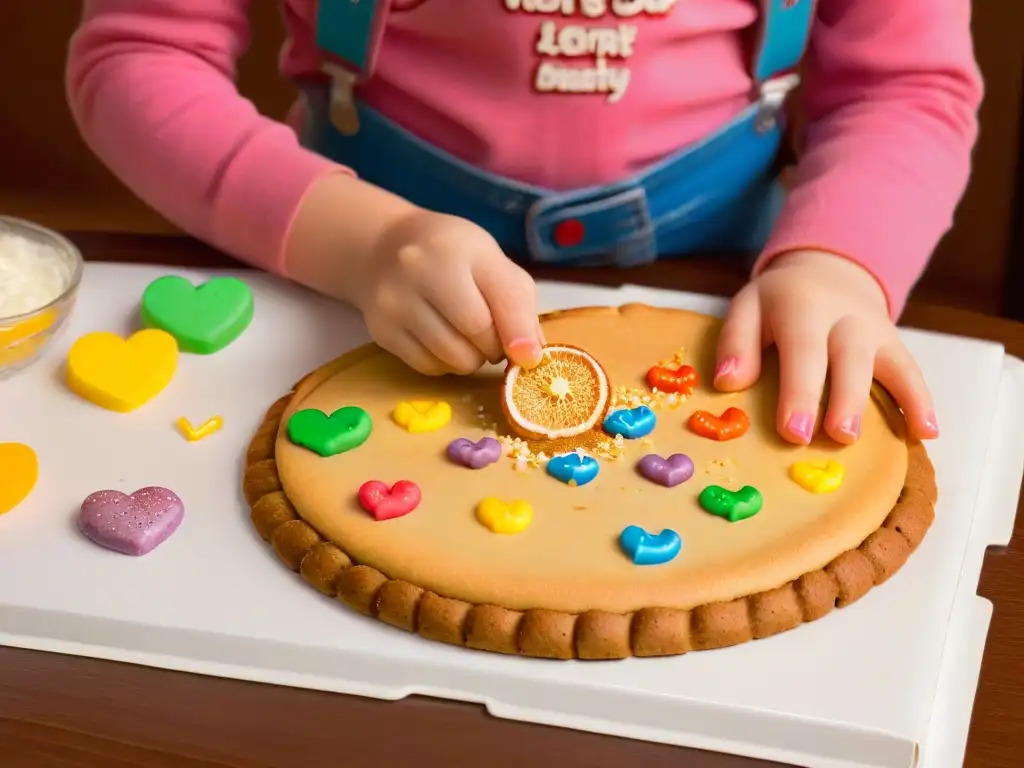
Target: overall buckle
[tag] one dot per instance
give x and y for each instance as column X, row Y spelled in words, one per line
column 592, row 227
column 771, row 96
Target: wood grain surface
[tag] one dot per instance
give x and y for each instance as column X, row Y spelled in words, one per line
column 67, row 712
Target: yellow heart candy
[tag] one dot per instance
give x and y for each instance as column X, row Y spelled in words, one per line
column 502, row 517
column 422, row 415
column 19, row 471
column 121, row 375
column 817, row 476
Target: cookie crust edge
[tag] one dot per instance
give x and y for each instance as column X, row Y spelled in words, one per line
column 592, row 635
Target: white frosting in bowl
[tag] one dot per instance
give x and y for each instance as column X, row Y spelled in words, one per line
column 32, row 274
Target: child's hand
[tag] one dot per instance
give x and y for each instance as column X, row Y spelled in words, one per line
column 824, row 313
column 438, row 292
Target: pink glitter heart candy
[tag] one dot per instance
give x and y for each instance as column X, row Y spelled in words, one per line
column 133, row 525
column 670, row 472
column 476, row 455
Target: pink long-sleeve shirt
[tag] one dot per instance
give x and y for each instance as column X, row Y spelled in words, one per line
column 891, row 94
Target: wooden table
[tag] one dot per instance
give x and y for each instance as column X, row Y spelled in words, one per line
column 69, row 712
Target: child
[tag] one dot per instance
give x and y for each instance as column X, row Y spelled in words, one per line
column 433, row 137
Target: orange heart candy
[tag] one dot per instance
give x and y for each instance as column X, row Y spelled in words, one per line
column 731, row 424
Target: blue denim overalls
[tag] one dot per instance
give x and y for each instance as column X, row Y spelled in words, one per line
column 718, row 194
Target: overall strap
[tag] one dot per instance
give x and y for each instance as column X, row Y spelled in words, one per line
column 349, row 31
column 782, row 39
column 780, row 45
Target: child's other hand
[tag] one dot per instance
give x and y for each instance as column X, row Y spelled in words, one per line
column 439, row 293
column 825, row 314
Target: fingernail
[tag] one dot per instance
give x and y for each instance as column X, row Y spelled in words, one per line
column 851, row 427
column 801, row 425
column 931, row 425
column 526, row 352
column 728, row 366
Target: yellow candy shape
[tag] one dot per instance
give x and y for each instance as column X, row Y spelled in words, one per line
column 19, row 472
column 817, row 476
column 419, row 416
column 504, row 517
column 195, row 434
column 118, row 374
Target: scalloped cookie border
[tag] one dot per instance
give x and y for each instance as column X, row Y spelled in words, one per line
column 543, row 633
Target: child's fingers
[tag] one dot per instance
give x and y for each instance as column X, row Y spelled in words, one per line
column 851, row 365
column 738, row 357
column 457, row 299
column 897, row 371
column 512, row 296
column 442, row 340
column 404, row 346
column 803, row 365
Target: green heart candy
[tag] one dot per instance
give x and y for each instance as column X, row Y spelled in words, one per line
column 343, row 430
column 204, row 319
column 732, row 505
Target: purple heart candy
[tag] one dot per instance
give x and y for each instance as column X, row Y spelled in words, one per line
column 670, row 472
column 132, row 525
column 476, row 455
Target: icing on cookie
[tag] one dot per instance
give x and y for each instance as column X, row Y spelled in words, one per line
column 504, row 517
column 631, row 424
column 385, row 503
column 418, row 416
column 346, row 428
column 817, row 476
column 573, row 468
column 680, row 381
column 731, row 424
column 645, row 548
column 731, row 505
column 474, row 455
column 670, row 472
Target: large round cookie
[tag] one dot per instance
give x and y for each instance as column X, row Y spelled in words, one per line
column 564, row 587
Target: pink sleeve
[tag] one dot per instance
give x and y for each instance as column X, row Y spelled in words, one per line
column 892, row 93
column 151, row 86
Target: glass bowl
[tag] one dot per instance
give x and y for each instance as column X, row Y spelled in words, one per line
column 25, row 336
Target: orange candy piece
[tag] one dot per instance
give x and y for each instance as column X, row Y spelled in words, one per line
column 19, row 472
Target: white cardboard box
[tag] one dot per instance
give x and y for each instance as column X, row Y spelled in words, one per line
column 886, row 682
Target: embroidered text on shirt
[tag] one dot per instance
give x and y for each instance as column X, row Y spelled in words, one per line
column 606, row 48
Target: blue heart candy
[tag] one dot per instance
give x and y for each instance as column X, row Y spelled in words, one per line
column 645, row 548
column 573, row 468
column 631, row 424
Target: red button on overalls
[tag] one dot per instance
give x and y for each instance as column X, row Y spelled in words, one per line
column 568, row 233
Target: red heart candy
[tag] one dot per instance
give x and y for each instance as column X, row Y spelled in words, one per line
column 388, row 503
column 680, row 381
column 731, row 424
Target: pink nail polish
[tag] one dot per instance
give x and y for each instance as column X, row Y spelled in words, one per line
column 727, row 366
column 801, row 425
column 931, row 425
column 526, row 351
column 851, row 427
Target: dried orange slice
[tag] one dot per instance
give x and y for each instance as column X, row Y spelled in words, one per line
column 566, row 395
